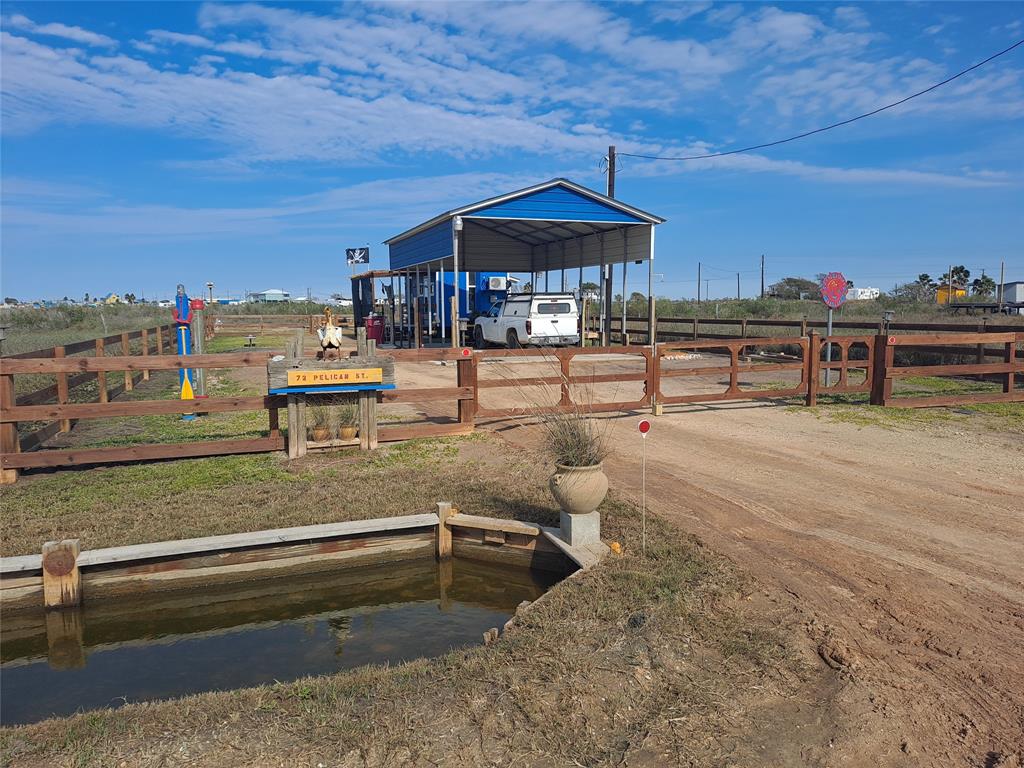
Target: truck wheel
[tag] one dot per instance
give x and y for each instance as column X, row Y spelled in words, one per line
column 478, row 338
column 512, row 339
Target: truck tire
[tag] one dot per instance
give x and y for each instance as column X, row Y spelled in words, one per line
column 512, row 339
column 478, row 338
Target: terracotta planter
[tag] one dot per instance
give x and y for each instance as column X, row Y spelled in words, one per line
column 347, row 432
column 320, row 434
column 579, row 490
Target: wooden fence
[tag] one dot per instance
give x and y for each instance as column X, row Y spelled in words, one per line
column 731, row 365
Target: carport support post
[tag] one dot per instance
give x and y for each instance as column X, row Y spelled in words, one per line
column 652, row 323
column 625, row 261
column 456, row 238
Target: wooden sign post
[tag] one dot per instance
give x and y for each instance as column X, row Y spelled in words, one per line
column 363, row 374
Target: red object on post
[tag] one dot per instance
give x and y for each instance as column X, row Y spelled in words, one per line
column 197, row 304
column 644, row 426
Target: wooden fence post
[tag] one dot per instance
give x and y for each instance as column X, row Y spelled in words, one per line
column 564, row 361
column 8, row 430
column 126, row 349
column 444, row 533
column 466, row 376
column 417, row 326
column 62, row 390
column 62, row 581
column 159, row 339
column 696, row 326
column 101, row 376
column 812, row 364
column 145, row 352
column 881, row 360
column 1009, row 357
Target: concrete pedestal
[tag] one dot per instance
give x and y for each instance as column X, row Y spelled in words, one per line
column 580, row 530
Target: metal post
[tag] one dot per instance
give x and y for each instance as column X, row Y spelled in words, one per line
column 563, row 267
column 828, row 348
column 442, row 310
column 625, row 261
column 456, row 313
column 603, row 289
column 651, row 322
column 198, row 341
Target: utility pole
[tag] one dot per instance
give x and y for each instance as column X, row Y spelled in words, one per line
column 737, row 286
column 609, row 269
column 698, row 283
column 762, row 275
column 1002, row 280
column 209, row 287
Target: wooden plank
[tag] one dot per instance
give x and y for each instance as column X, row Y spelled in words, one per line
column 62, row 580
column 938, row 339
column 967, row 369
column 812, row 361
column 77, row 457
column 137, row 552
column 725, row 369
column 493, row 524
column 422, row 395
column 414, row 431
column 533, row 381
column 950, row 400
column 34, row 440
column 140, row 408
column 103, row 364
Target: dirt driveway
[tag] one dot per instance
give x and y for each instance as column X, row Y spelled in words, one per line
column 902, row 551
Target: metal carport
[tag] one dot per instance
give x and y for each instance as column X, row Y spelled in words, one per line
column 556, row 225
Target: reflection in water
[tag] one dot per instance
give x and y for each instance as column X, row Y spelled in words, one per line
column 174, row 644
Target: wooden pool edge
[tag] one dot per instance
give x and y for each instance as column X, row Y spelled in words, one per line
column 117, row 571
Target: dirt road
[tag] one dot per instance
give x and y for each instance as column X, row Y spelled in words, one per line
column 901, row 550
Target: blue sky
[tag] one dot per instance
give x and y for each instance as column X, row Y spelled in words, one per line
column 146, row 144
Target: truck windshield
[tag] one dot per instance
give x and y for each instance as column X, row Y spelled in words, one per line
column 554, row 308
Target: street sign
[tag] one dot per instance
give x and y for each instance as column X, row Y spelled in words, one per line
column 834, row 290
column 357, row 255
column 644, row 426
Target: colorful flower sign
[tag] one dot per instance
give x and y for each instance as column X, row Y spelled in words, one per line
column 834, row 289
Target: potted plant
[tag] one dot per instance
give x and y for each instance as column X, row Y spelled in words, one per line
column 578, row 444
column 318, row 419
column 347, row 421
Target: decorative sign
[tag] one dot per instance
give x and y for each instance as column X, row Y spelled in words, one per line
column 834, row 289
column 644, row 426
column 335, row 377
column 357, row 255
column 349, row 374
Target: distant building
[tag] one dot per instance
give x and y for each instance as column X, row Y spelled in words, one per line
column 943, row 293
column 271, row 294
column 863, row 294
column 111, row 298
column 1012, row 292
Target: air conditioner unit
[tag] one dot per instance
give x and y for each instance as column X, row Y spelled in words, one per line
column 497, row 283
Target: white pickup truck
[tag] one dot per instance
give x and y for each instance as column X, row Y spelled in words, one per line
column 547, row 319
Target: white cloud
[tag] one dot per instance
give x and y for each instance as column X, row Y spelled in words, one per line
column 77, row 34
column 677, row 11
column 851, row 16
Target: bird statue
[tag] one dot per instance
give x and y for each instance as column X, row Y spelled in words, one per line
column 330, row 336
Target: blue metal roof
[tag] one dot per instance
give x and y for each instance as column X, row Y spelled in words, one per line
column 522, row 222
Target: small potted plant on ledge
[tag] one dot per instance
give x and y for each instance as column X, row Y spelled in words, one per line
column 347, row 421
column 318, row 418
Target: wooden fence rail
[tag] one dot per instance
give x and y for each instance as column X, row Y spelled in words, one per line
column 730, row 363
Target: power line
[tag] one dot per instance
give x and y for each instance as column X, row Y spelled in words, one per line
column 961, row 73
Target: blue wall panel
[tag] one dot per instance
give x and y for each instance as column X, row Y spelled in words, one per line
column 429, row 245
column 557, row 203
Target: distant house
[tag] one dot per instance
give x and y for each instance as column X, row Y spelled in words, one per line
column 111, row 298
column 863, row 294
column 943, row 293
column 271, row 294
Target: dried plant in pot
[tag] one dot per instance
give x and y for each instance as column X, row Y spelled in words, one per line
column 347, row 420
column 578, row 444
column 318, row 421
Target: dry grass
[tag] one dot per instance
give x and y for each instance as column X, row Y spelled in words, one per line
column 639, row 662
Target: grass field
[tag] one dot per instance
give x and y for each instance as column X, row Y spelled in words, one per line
column 632, row 654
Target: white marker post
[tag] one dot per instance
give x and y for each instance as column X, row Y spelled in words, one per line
column 644, row 427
